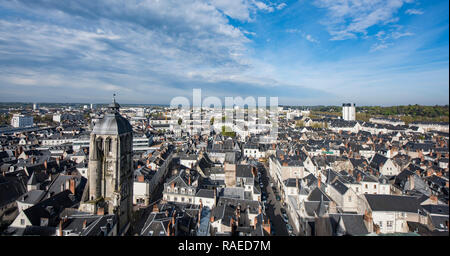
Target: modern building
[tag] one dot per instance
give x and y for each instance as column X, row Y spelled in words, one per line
column 66, row 116
column 349, row 111
column 110, row 171
column 21, row 121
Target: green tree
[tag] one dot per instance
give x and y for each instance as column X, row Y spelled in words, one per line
column 180, row 121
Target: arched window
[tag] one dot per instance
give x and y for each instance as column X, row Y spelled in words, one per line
column 108, row 146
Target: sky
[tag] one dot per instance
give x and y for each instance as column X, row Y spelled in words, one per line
column 305, row 52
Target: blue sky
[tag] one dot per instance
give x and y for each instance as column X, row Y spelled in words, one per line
column 316, row 52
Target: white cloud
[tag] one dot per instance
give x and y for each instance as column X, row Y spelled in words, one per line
column 397, row 35
column 379, row 46
column 263, row 6
column 347, row 19
column 303, row 34
column 311, row 39
column 414, row 12
column 281, row 6
column 293, row 30
column 153, row 43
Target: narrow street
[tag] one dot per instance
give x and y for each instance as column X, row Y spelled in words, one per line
column 273, row 206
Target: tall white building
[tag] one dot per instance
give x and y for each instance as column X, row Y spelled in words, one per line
column 20, row 121
column 35, row 106
column 349, row 111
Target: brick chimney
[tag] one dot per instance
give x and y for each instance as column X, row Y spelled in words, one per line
column 434, row 199
column 368, row 221
column 358, row 177
column 72, row 186
column 84, row 224
column 45, row 164
column 140, row 178
column 319, row 180
column 155, row 208
column 60, row 228
column 169, row 231
column 101, row 211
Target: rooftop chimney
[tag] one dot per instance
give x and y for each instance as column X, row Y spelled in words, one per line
column 434, row 199
column 72, row 186
column 101, row 211
column 60, row 228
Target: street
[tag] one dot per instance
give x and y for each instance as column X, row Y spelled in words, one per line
column 273, row 206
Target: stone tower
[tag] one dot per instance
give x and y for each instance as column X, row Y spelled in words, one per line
column 110, row 172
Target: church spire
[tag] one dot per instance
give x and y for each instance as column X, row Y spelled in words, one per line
column 114, row 106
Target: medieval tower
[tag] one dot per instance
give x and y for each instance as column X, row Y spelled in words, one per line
column 110, row 173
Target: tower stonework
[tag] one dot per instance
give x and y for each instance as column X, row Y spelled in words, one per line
column 110, row 172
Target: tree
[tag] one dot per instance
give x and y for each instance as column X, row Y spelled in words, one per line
column 180, row 121
column 212, row 121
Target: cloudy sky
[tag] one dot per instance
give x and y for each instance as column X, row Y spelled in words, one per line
column 306, row 52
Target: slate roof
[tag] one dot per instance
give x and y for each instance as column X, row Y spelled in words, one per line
column 393, row 203
column 436, row 209
column 317, row 194
column 244, row 171
column 378, row 160
column 32, row 197
column 50, row 208
column 353, row 223
column 206, row 193
column 339, row 186
column 112, row 124
column 11, row 188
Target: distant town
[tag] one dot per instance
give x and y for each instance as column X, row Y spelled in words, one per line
column 149, row 170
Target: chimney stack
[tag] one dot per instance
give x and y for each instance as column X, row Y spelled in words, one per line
column 434, row 199
column 72, row 186
column 101, row 211
column 60, row 228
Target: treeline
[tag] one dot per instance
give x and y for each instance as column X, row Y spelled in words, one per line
column 408, row 114
column 410, row 110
